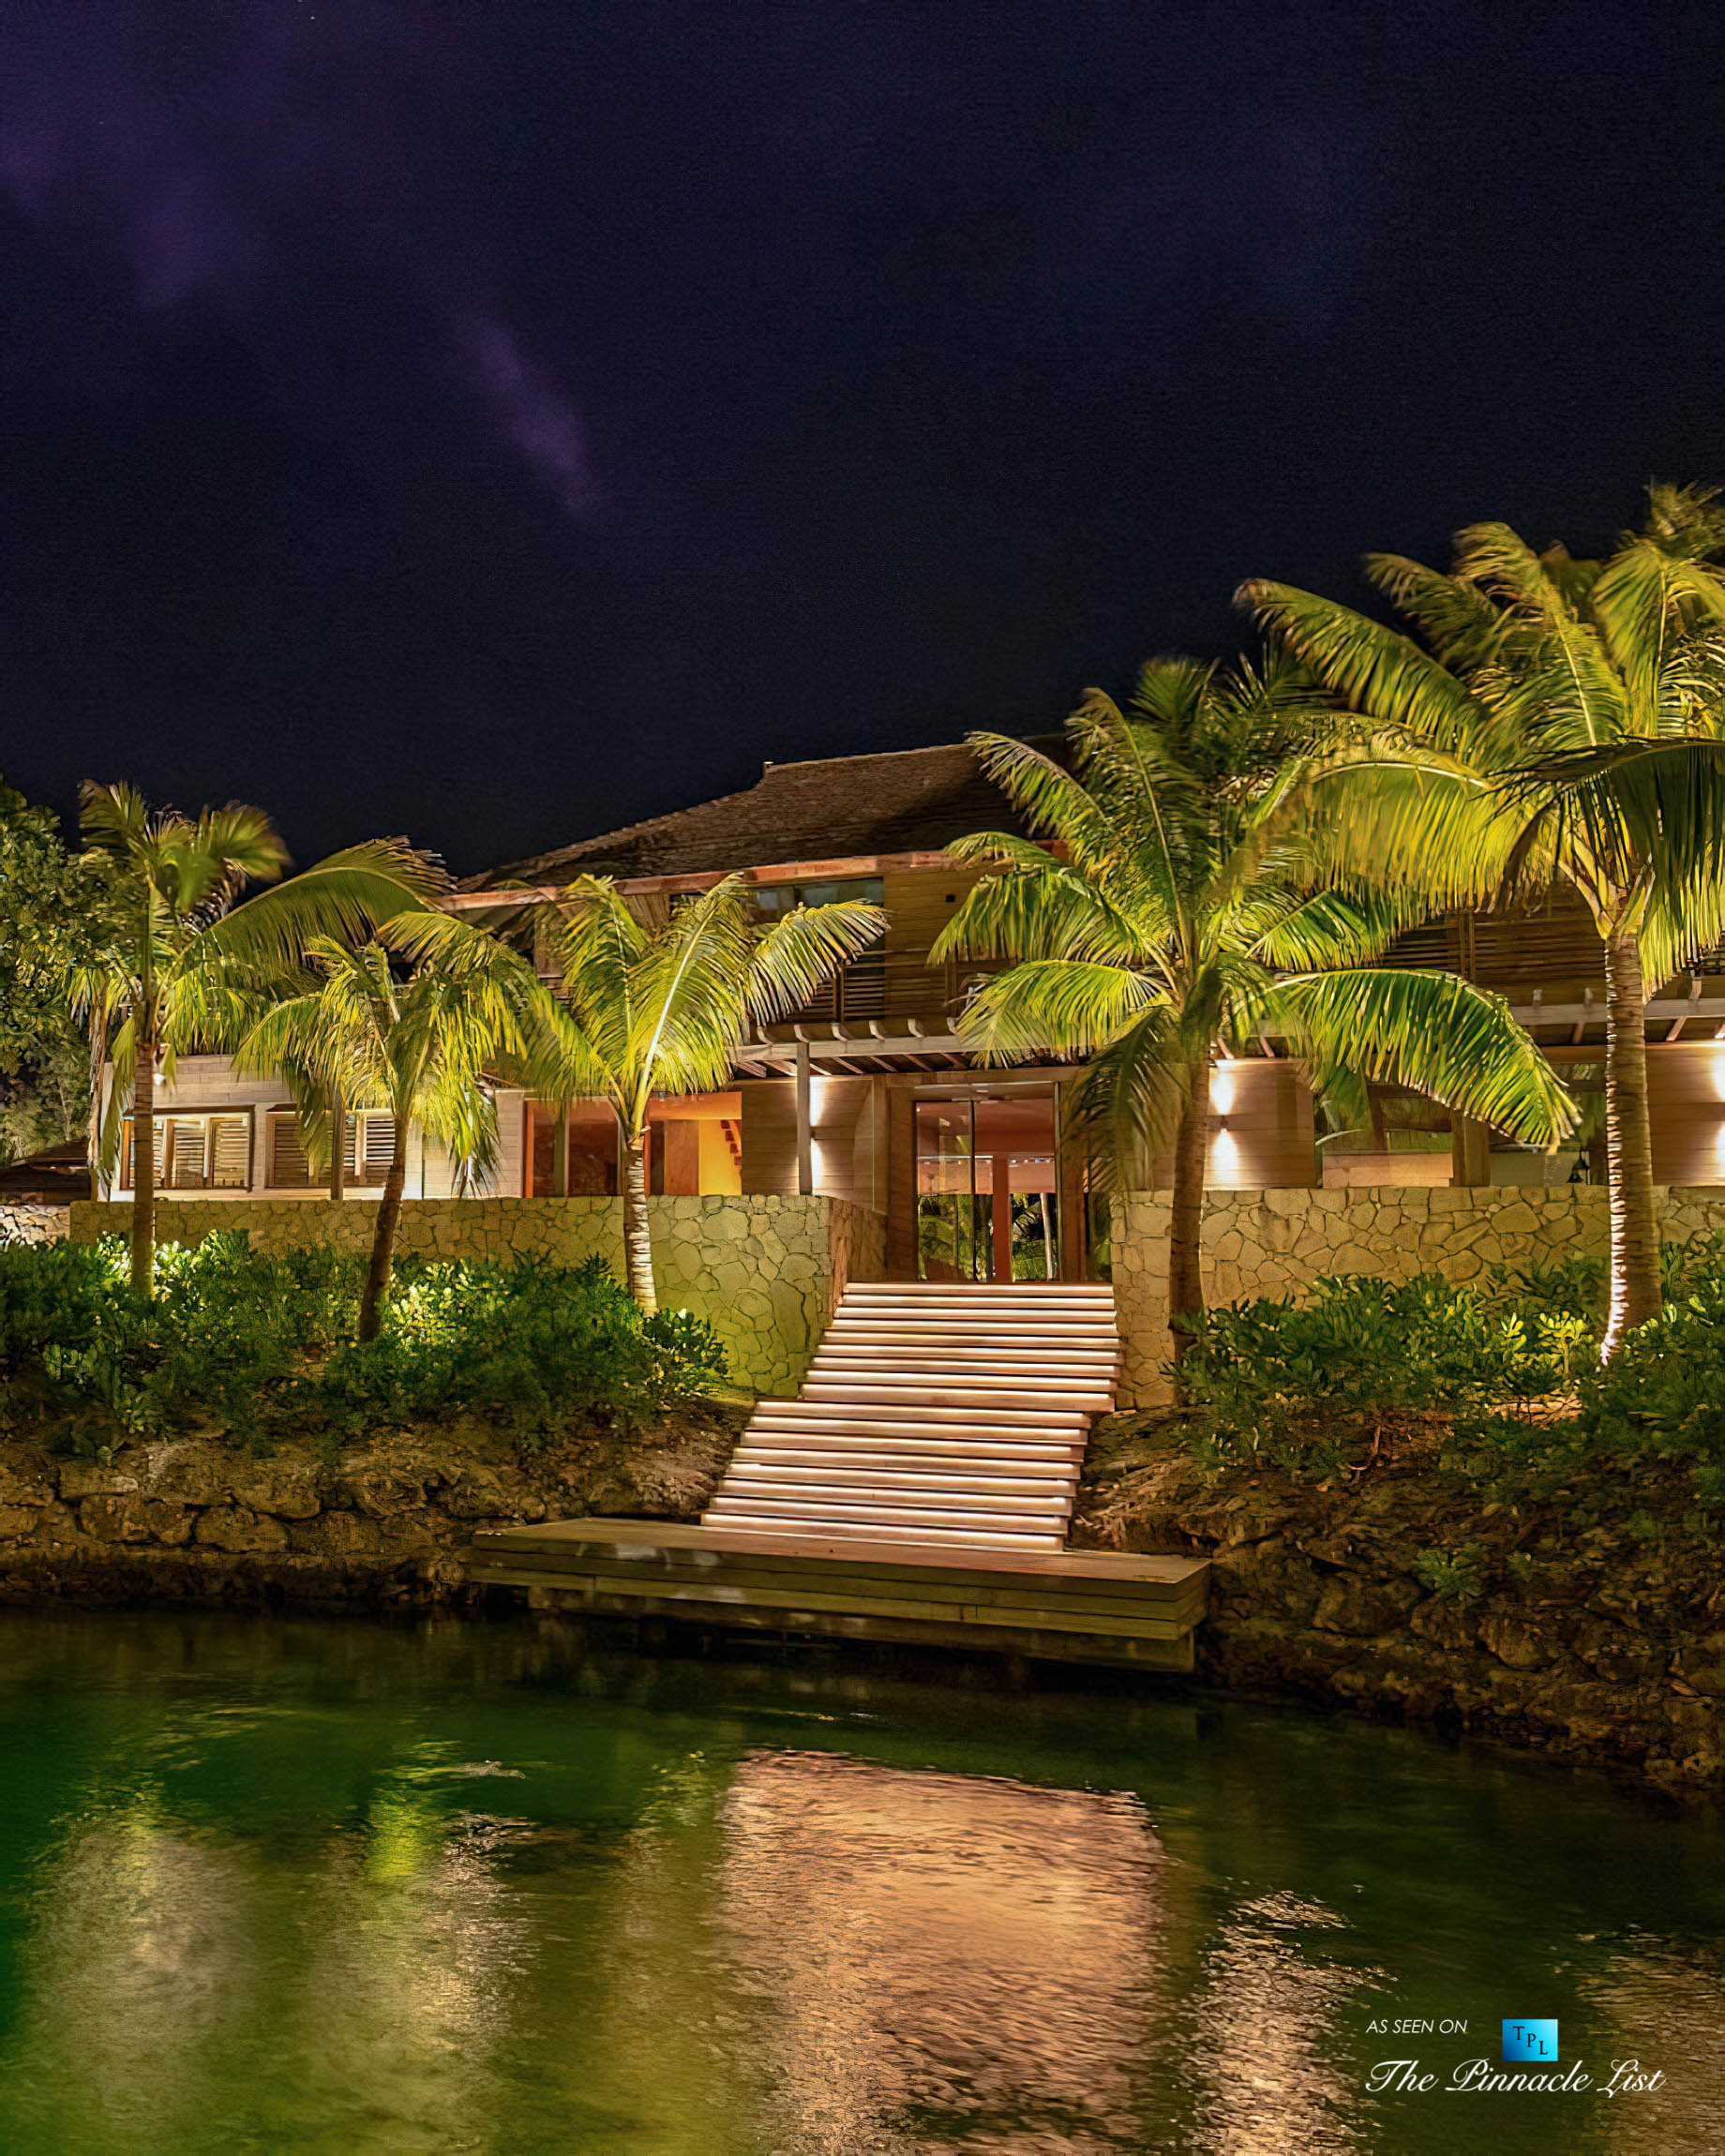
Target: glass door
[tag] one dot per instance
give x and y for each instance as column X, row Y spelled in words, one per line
column 988, row 1197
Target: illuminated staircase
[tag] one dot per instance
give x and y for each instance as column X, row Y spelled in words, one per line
column 946, row 1415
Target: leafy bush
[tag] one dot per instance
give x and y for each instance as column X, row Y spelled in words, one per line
column 1303, row 1382
column 1287, row 1377
column 1663, row 1392
column 266, row 1343
column 1456, row 1574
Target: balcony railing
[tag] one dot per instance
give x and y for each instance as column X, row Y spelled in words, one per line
column 895, row 984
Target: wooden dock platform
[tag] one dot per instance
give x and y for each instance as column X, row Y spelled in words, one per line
column 1066, row 1605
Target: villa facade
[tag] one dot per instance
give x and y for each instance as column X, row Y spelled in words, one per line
column 870, row 1095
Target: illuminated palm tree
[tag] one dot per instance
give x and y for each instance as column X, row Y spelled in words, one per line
column 1562, row 722
column 662, row 995
column 192, row 959
column 1179, row 918
column 417, row 1021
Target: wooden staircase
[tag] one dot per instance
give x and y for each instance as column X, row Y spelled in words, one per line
column 951, row 1416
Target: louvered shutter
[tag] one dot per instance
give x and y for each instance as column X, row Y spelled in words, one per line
column 129, row 1152
column 231, row 1152
column 289, row 1168
column 378, row 1148
column 187, row 1165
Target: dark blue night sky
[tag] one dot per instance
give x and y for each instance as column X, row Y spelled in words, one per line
column 497, row 421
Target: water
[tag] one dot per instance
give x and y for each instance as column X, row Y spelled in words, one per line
column 333, row 1888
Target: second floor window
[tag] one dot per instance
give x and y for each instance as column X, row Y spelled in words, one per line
column 860, row 990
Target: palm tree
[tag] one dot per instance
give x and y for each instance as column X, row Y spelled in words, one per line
column 1562, row 724
column 1176, row 914
column 192, row 958
column 416, row 1021
column 661, row 996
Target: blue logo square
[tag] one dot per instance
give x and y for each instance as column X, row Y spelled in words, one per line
column 1530, row 2043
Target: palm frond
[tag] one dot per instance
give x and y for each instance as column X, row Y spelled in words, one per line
column 1126, row 1107
column 794, row 958
column 1432, row 1031
column 1378, row 671
column 1062, row 1006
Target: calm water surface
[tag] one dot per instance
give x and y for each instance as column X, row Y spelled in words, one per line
column 339, row 1889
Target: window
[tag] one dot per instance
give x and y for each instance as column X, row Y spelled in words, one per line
column 371, row 1144
column 859, row 989
column 209, row 1152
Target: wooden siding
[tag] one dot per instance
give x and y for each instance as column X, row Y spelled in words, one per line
column 1686, row 1103
column 848, row 1147
column 1264, row 1132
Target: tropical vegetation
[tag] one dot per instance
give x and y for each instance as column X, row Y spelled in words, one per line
column 259, row 1350
column 1499, row 1382
column 189, row 959
column 1557, row 722
column 56, row 912
column 660, row 995
column 1182, row 916
column 418, row 1019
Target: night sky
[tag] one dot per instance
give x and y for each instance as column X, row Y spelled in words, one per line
column 496, row 422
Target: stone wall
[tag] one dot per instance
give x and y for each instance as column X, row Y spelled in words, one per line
column 766, row 1271
column 382, row 1524
column 33, row 1223
column 1281, row 1242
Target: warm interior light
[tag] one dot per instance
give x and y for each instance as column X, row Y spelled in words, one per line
column 1222, row 1089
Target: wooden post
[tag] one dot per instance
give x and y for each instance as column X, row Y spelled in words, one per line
column 805, row 1123
column 337, row 1144
column 1000, row 1209
column 559, row 1153
column 901, row 1183
column 1470, row 1154
column 1072, row 1199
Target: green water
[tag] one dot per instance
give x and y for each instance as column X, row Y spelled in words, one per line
column 335, row 1888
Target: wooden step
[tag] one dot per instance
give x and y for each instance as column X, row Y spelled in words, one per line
column 761, row 1474
column 949, row 1507
column 919, row 1393
column 900, row 1339
column 959, row 1454
column 765, row 1526
column 933, row 1413
column 988, row 1363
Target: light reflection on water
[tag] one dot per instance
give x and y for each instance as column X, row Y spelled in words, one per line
column 334, row 1888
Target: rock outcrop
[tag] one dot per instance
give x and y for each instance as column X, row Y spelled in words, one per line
column 198, row 1521
column 1591, row 1626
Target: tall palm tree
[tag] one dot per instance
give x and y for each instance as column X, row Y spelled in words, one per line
column 417, row 1020
column 661, row 996
column 191, row 957
column 1561, row 722
column 1178, row 917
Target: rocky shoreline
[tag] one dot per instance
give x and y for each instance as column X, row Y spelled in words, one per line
column 378, row 1526
column 1591, row 1628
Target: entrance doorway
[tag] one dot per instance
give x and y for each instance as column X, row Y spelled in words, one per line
column 988, row 1186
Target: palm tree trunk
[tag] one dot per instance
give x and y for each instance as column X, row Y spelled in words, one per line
column 1636, row 1294
column 636, row 1231
column 1186, row 1215
column 383, row 1241
column 337, row 1144
column 144, row 1169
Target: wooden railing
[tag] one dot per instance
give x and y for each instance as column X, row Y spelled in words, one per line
column 896, row 984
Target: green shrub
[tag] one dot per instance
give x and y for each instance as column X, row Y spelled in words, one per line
column 265, row 1344
column 1285, row 1377
column 1663, row 1392
column 1455, row 1575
